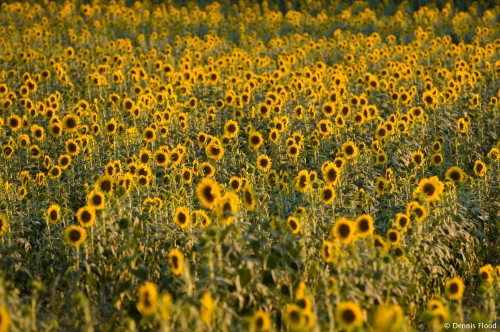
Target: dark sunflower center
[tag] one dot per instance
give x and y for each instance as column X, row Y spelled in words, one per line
column 393, row 236
column 348, row 316
column 363, row 225
column 344, row 231
column 74, row 235
column 453, row 288
column 455, row 176
column 86, row 216
column 207, row 194
column 429, row 189
column 327, row 194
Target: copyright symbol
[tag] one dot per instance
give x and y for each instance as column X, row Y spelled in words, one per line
column 447, row 325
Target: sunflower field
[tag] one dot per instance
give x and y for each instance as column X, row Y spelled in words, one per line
column 305, row 165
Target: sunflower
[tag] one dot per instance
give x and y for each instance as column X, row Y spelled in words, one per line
column 96, row 200
column 327, row 195
column 182, row 217
column 393, row 236
column 414, row 208
column 379, row 242
column 485, row 273
column 53, row 214
column 437, row 159
column 264, row 162
column 149, row 135
column 302, row 181
column 329, row 252
column 325, row 127
column 75, row 235
column 293, row 151
column 4, row 319
column 22, row 191
column 343, row 231
column 71, row 123
column 380, row 185
column 202, row 218
column 161, row 158
column 145, row 156
column 364, row 226
column 381, row 132
column 350, row 150
column 72, row 147
column 165, row 306
column 55, row 129
column 206, row 307
column 294, row 224
column 274, row 135
column 462, row 125
column 202, row 138
column 294, row 317
column 64, row 161
column 14, row 122
column 402, row 221
column 454, row 289
column 260, row 322
column 388, row 318
column 207, row 169
column 214, row 150
column 110, row 126
column 455, row 174
column 36, row 152
column 55, row 172
column 435, row 304
column 380, row 157
column 430, row 188
column 227, row 208
column 4, row 224
column 86, row 216
column 235, row 183
column 148, row 299
column 429, row 99
column 249, row 198
column 231, row 128
column 255, row 140
column 331, row 174
column 417, row 158
column 208, row 192
column 479, row 168
column 298, row 112
column 37, row 132
column 349, row 315
column 328, row 109
column 176, row 261
column 359, row 119
column 340, row 121
column 23, row 141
